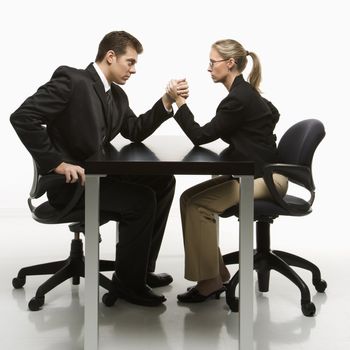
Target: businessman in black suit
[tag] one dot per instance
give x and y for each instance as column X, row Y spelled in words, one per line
column 75, row 114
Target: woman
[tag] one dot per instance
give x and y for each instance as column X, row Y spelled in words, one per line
column 245, row 120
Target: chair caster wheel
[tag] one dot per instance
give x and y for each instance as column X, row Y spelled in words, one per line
column 18, row 282
column 36, row 303
column 109, row 299
column 308, row 309
column 320, row 285
column 233, row 303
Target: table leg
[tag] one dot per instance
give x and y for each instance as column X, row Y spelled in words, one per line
column 246, row 241
column 92, row 186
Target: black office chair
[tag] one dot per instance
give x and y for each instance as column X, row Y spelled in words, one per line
column 296, row 149
column 73, row 266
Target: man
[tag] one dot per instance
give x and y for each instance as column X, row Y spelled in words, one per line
column 82, row 110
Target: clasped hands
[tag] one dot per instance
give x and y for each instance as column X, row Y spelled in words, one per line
column 177, row 91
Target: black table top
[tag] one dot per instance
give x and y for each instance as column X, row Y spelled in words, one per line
column 167, row 155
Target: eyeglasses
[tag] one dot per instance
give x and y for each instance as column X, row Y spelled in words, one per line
column 212, row 62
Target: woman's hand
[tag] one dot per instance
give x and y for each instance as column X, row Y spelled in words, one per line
column 182, row 88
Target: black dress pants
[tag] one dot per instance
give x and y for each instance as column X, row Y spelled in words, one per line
column 141, row 204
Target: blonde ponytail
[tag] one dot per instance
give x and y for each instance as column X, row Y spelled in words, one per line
column 254, row 76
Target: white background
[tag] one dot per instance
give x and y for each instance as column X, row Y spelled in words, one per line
column 303, row 47
column 304, row 50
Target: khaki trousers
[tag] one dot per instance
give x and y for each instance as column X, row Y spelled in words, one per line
column 198, row 206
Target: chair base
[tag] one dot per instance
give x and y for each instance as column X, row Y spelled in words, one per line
column 266, row 260
column 73, row 267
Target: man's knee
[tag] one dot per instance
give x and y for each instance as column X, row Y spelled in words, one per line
column 168, row 182
column 172, row 180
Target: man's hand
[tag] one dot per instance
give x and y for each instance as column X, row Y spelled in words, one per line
column 73, row 173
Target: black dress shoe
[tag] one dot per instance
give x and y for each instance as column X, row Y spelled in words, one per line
column 141, row 295
column 158, row 280
column 193, row 296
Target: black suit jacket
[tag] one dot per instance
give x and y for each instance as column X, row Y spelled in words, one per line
column 244, row 119
column 66, row 119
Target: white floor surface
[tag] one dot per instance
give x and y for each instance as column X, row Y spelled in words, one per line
column 278, row 323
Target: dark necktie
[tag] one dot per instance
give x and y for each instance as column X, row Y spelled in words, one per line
column 109, row 119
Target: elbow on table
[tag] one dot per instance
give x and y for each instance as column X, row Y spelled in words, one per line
column 197, row 141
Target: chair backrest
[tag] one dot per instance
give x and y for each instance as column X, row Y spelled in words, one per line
column 296, row 149
column 298, row 144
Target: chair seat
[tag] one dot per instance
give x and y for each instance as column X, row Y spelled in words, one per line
column 266, row 208
column 47, row 214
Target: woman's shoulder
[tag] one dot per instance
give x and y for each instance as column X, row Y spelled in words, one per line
column 241, row 88
column 240, row 94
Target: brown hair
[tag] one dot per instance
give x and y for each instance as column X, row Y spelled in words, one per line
column 229, row 48
column 117, row 41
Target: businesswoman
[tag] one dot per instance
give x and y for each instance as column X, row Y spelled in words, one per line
column 246, row 121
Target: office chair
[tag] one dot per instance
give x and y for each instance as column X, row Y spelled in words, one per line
column 73, row 266
column 296, row 149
